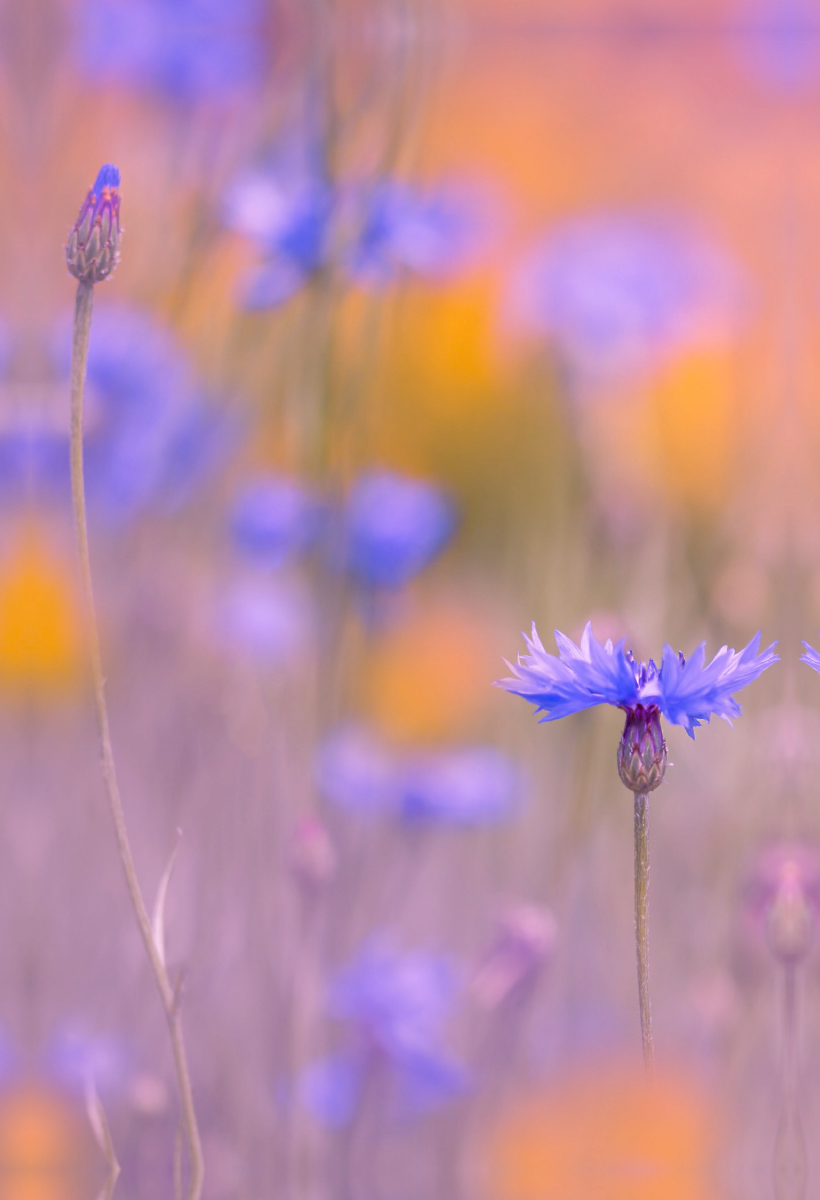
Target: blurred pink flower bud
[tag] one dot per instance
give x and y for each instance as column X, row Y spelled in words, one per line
column 783, row 899
column 525, row 939
column 312, row 856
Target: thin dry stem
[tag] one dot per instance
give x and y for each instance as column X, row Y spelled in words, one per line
column 79, row 359
column 641, row 924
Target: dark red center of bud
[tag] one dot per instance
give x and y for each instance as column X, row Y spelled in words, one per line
column 642, row 755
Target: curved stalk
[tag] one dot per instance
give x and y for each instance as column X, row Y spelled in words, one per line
column 641, row 922
column 168, row 995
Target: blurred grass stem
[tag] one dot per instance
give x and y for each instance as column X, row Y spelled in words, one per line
column 168, row 994
column 641, row 923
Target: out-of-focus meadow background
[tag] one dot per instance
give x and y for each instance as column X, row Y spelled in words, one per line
column 432, row 319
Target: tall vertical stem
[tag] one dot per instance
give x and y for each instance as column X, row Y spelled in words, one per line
column 168, row 995
column 790, row 1144
column 641, row 931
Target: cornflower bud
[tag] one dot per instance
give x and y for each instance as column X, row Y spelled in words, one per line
column 312, row 856
column 642, row 755
column 93, row 247
column 783, row 899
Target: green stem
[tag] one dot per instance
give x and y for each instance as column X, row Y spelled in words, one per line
column 641, row 932
column 79, row 360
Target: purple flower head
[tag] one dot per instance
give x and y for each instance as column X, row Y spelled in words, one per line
column 393, row 527
column 185, row 49
column 430, row 235
column 274, row 519
column 474, row 786
column 93, row 247
column 620, row 292
column 783, row 898
column 395, row 1007
column 685, row 691
column 812, row 657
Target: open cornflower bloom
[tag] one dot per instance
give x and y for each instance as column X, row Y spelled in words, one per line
column 687, row 693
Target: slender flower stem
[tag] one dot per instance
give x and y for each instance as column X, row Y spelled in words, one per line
column 641, row 933
column 168, row 994
column 789, row 1167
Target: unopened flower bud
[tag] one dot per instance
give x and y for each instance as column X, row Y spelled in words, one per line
column 93, row 247
column 783, row 899
column 312, row 856
column 525, row 939
column 642, row 755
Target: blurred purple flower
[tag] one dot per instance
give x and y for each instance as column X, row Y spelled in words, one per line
column 267, row 621
column 286, row 207
column 152, row 436
column 187, row 49
column 394, row 526
column 686, row 693
column 396, row 1006
column 781, row 41
column 75, row 1059
column 431, row 234
column 473, row 786
column 356, row 770
column 618, row 292
column 274, row 518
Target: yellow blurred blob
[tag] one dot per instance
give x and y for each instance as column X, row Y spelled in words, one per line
column 694, row 405
column 613, row 1135
column 41, row 638
column 445, row 340
column 45, row 1149
column 430, row 678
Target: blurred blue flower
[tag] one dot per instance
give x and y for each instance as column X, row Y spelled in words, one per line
column 75, row 1059
column 186, row 49
column 686, row 693
column 618, row 292
column 275, row 518
column 429, row 234
column 152, row 435
column 267, row 621
column 396, row 1006
column 355, row 770
column 393, row 527
column 781, row 41
column 286, row 206
column 473, row 786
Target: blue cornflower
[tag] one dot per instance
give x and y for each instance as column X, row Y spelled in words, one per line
column 686, row 693
column 781, row 42
column 812, row 657
column 394, row 526
column 618, row 292
column 186, row 49
column 430, row 235
column 275, row 518
column 395, row 1007
column 476, row 785
column 152, row 434
column 287, row 208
